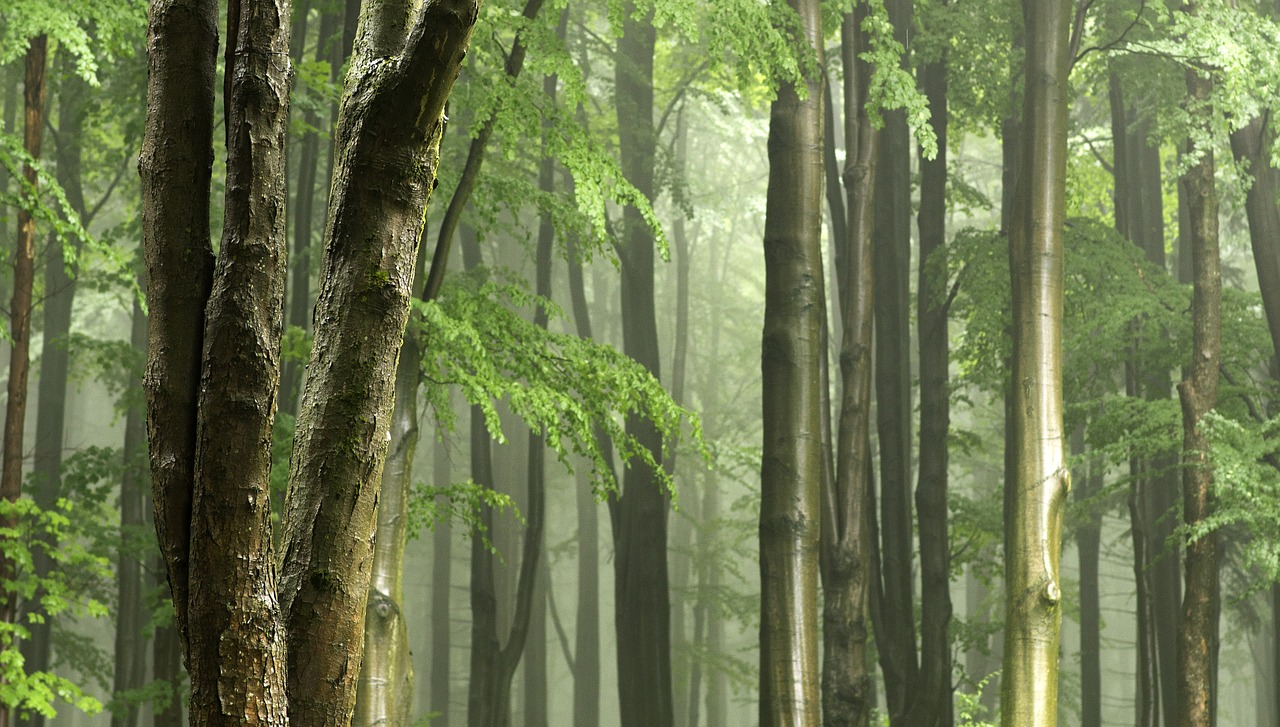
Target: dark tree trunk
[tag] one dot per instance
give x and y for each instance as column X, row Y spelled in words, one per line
column 131, row 609
column 1198, row 392
column 51, row 394
column 895, row 635
column 932, row 704
column 390, row 110
column 642, row 611
column 166, row 663
column 791, row 470
column 20, row 311
column 1035, row 494
column 1088, row 546
column 441, row 585
column 846, row 549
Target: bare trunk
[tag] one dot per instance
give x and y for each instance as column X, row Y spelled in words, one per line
column 441, row 585
column 791, row 470
column 1198, row 392
column 1088, row 546
column 847, row 688
column 1035, row 494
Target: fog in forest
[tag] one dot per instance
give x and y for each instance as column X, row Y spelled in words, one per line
column 746, row 352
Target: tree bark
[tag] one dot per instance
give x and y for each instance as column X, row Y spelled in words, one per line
column 847, row 688
column 895, row 634
column 791, row 469
column 1088, row 546
column 932, row 704
column 642, row 611
column 386, row 145
column 1198, row 392
column 1035, row 494
column 20, row 311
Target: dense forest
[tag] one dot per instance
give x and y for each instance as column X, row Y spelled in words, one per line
column 416, row 362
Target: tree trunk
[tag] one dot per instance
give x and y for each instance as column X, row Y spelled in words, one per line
column 1088, row 546
column 847, row 688
column 235, row 647
column 392, row 109
column 642, row 610
column 131, row 607
column 441, row 585
column 932, row 704
column 166, row 663
column 1198, row 392
column 791, row 468
column 1035, row 494
column 895, row 635
column 51, row 395
column 20, row 311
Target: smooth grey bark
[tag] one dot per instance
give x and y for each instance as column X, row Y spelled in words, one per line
column 791, row 467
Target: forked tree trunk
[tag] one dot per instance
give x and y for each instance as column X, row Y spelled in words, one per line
column 791, row 468
column 1198, row 392
column 1035, row 494
column 847, row 688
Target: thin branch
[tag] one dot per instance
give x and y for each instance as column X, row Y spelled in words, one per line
column 1098, row 155
column 106, row 195
column 1118, row 39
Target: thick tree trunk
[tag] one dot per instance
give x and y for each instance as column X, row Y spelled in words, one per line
column 1035, row 495
column 441, row 585
column 895, row 634
column 51, row 394
column 791, row 469
column 235, row 645
column 932, row 704
column 847, row 688
column 20, row 311
column 1198, row 392
column 131, row 607
column 387, row 149
column 642, row 610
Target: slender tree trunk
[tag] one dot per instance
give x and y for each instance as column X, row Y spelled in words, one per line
column 441, row 585
column 396, row 90
column 932, row 705
column 1088, row 546
column 166, row 663
column 1036, row 493
column 847, row 688
column 642, row 610
column 791, row 470
column 51, row 394
column 131, row 608
column 1198, row 392
column 895, row 635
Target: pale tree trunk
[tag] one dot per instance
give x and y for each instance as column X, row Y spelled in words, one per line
column 932, row 704
column 847, row 688
column 1088, row 545
column 401, row 75
column 791, row 468
column 1035, row 494
column 1198, row 392
column 20, row 311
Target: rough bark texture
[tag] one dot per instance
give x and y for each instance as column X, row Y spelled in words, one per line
column 1198, row 392
column 847, row 688
column 932, row 705
column 235, row 643
column 895, row 632
column 791, row 469
column 1035, row 494
column 132, row 609
column 386, row 154
column 51, row 394
column 177, row 154
column 642, row 611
